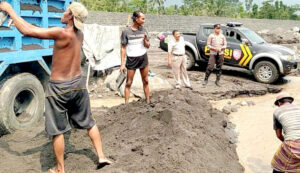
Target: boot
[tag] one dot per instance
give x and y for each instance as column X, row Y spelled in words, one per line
column 205, row 81
column 219, row 73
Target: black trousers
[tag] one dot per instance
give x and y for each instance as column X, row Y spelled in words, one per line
column 215, row 59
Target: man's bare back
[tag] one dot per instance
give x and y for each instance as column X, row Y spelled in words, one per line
column 66, row 56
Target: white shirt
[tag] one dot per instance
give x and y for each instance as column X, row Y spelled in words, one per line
column 216, row 41
column 287, row 117
column 135, row 47
column 134, row 41
column 176, row 47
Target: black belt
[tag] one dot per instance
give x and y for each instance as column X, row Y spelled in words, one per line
column 178, row 54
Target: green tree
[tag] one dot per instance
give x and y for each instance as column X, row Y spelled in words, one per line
column 254, row 13
column 270, row 9
column 157, row 2
column 215, row 7
column 193, row 7
column 224, row 8
column 248, row 5
column 241, row 12
column 158, row 5
column 171, row 10
column 138, row 5
column 267, row 10
column 105, row 5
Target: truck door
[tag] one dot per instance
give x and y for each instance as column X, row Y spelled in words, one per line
column 236, row 53
column 202, row 36
column 233, row 44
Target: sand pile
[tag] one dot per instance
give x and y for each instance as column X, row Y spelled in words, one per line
column 281, row 36
column 180, row 132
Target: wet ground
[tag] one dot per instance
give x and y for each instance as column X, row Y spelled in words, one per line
column 235, row 81
column 254, row 125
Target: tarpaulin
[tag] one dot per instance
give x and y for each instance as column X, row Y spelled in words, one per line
column 101, row 46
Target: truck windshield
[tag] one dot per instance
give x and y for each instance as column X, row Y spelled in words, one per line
column 252, row 36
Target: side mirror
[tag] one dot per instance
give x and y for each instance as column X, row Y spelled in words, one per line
column 245, row 41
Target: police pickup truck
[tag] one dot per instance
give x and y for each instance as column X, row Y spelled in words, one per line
column 245, row 49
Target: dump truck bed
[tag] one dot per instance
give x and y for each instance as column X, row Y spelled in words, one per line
column 17, row 48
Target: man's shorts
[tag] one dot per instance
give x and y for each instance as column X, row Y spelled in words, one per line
column 139, row 62
column 67, row 105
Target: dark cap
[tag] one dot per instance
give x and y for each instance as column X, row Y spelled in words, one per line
column 217, row 26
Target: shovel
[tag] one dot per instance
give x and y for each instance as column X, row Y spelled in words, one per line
column 120, row 79
column 3, row 17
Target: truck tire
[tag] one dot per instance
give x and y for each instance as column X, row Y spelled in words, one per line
column 22, row 102
column 266, row 72
column 190, row 63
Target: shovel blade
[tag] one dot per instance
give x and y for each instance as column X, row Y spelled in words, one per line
column 3, row 17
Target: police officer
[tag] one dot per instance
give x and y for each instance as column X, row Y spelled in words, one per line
column 217, row 43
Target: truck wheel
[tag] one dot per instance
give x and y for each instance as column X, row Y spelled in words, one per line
column 190, row 63
column 266, row 72
column 22, row 102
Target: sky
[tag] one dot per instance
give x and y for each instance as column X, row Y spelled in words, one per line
column 288, row 2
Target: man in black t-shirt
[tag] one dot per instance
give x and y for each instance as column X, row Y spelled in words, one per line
column 135, row 42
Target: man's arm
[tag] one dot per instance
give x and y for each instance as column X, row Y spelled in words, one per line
column 124, row 42
column 28, row 29
column 277, row 127
column 224, row 43
column 279, row 134
column 123, row 55
column 146, row 41
column 169, row 59
column 170, row 50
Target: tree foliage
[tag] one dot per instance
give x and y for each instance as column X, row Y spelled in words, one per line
column 270, row 9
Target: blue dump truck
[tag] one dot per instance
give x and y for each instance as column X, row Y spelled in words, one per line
column 25, row 64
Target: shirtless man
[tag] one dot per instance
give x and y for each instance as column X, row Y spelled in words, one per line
column 67, row 100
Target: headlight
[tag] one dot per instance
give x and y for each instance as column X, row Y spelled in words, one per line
column 287, row 57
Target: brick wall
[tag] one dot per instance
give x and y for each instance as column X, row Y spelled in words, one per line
column 162, row 23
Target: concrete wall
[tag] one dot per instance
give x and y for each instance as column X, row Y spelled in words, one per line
column 162, row 23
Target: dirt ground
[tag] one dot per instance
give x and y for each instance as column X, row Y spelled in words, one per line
column 235, row 81
column 257, row 141
column 173, row 135
column 180, row 133
column 31, row 7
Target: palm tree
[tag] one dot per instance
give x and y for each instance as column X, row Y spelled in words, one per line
column 159, row 3
column 156, row 2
